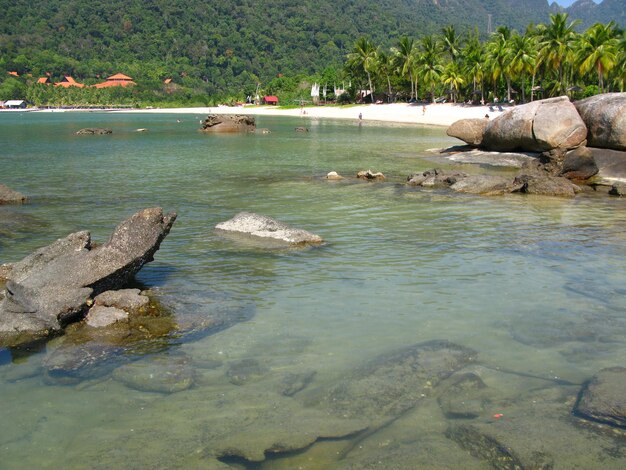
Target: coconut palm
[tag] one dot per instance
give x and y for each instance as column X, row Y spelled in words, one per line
column 363, row 59
column 556, row 44
column 499, row 58
column 474, row 61
column 451, row 42
column 405, row 56
column 523, row 51
column 385, row 67
column 429, row 62
column 453, row 77
column 597, row 49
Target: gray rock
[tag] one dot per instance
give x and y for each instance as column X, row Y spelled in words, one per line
column 293, row 383
column 487, row 185
column 9, row 196
column 244, row 371
column 602, row 398
column 469, row 131
column 618, row 189
column 129, row 300
column 611, row 165
column 53, row 286
column 370, row 175
column 162, row 373
column 333, row 175
column 100, row 316
column 259, row 226
column 605, row 118
column 464, row 397
column 484, row 447
column 217, row 123
column 579, row 164
column 536, row 127
column 435, row 178
column 545, row 185
column 94, row 131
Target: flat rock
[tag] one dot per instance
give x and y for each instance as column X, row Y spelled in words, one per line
column 10, row 196
column 544, row 185
column 100, row 316
column 129, row 300
column 262, row 227
column 435, row 178
column 487, row 185
column 605, row 118
column 94, row 131
column 162, row 373
column 603, row 399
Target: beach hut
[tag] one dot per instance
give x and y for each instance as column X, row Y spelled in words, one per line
column 119, row 79
column 270, row 99
column 68, row 82
column 15, row 104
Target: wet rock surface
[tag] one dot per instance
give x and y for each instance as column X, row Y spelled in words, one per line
column 605, row 118
column 262, row 227
column 10, row 196
column 370, row 175
column 602, row 398
column 168, row 372
column 218, row 123
column 488, row 185
column 53, row 286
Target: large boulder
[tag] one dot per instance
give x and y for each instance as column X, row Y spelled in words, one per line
column 54, row 286
column 603, row 399
column 261, row 227
column 228, row 123
column 9, row 196
column 579, row 164
column 545, row 185
column 469, row 131
column 536, row 127
column 605, row 118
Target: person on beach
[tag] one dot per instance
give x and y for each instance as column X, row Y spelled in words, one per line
column 360, row 116
column 423, row 110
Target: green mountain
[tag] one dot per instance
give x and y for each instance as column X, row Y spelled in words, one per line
column 227, row 43
column 590, row 12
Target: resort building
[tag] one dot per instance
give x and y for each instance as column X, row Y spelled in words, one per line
column 118, row 79
column 69, row 82
column 270, row 99
column 44, row 81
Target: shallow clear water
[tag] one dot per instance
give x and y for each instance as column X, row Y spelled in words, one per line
column 534, row 285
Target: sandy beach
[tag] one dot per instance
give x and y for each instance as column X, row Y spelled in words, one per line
column 442, row 114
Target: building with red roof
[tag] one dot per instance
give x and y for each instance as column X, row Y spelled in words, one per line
column 44, row 80
column 119, row 79
column 69, row 82
column 270, row 99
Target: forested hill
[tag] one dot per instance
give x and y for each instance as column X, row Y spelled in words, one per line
column 590, row 12
column 226, row 42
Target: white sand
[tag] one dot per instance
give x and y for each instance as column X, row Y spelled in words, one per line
column 434, row 114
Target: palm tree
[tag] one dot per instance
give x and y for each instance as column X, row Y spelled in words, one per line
column 523, row 57
column 474, row 62
column 405, row 56
column 385, row 67
column 363, row 59
column 451, row 42
column 597, row 49
column 453, row 77
column 429, row 62
column 556, row 41
column 499, row 58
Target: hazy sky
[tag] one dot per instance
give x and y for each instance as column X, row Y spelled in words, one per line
column 566, row 3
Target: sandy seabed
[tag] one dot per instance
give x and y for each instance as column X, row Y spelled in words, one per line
column 442, row 114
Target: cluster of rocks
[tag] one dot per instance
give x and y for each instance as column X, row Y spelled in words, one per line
column 227, row 123
column 572, row 140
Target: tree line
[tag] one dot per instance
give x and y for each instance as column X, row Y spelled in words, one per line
column 546, row 60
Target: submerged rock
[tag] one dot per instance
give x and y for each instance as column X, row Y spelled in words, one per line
column 484, row 447
column 602, row 398
column 162, row 373
column 333, row 175
column 9, row 196
column 544, row 185
column 54, row 286
column 464, row 398
column 217, row 123
column 94, row 131
column 370, row 175
column 262, row 227
column 487, row 185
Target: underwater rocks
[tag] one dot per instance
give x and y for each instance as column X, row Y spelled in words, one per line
column 219, row 123
column 260, row 227
column 10, row 196
column 94, row 131
column 602, row 399
column 55, row 285
column 162, row 373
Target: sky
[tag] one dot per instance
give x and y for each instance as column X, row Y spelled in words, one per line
column 566, row 3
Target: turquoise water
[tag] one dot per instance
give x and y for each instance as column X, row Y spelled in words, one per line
column 534, row 285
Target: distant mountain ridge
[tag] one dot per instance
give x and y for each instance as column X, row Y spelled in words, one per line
column 590, row 12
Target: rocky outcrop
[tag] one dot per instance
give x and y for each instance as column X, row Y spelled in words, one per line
column 9, row 196
column 370, row 175
column 469, row 131
column 487, row 185
column 544, row 185
column 602, row 398
column 536, row 127
column 217, row 123
column 94, row 131
column 333, row 176
column 55, row 285
column 262, row 227
column 605, row 118
column 579, row 164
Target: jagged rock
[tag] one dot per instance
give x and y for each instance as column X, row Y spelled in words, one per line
column 9, row 196
column 53, row 286
column 94, row 131
column 435, row 178
column 579, row 164
column 536, row 127
column 469, row 131
column 162, row 373
column 370, row 175
column 605, row 118
column 487, row 185
column 602, row 398
column 129, row 300
column 544, row 185
column 262, row 227
column 229, row 123
column 618, row 189
column 333, row 175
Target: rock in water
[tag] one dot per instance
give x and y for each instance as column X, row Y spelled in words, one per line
column 605, row 117
column 536, row 127
column 164, row 373
column 469, row 131
column 94, row 131
column 228, row 123
column 262, row 227
column 393, row 383
column 53, row 286
column 603, row 399
column 9, row 196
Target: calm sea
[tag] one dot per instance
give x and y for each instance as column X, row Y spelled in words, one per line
column 535, row 285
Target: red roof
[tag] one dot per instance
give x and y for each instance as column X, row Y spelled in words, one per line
column 119, row 79
column 68, row 82
column 15, row 74
column 271, row 99
column 167, row 81
column 44, row 80
column 119, row 76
